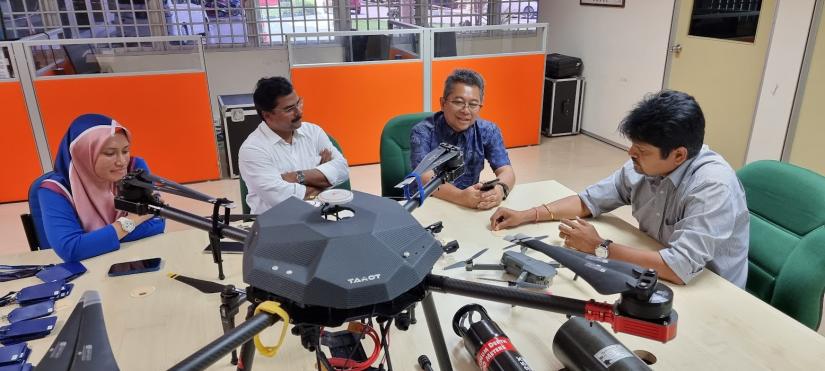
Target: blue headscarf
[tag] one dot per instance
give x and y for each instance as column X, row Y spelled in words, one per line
column 64, row 157
column 75, row 178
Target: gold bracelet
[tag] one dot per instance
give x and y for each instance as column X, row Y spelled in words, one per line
column 552, row 216
column 537, row 215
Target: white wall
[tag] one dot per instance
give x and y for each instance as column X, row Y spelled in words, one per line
column 623, row 51
column 785, row 53
column 237, row 71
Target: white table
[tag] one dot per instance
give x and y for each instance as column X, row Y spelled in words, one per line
column 720, row 326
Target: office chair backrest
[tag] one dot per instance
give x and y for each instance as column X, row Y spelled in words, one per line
column 245, row 191
column 395, row 151
column 35, row 232
column 345, row 185
column 786, row 259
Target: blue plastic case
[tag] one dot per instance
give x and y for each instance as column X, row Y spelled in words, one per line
column 43, row 292
column 13, row 354
column 31, row 311
column 19, row 332
column 62, row 272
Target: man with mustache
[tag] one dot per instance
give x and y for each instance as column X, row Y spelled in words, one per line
column 458, row 123
column 683, row 195
column 286, row 157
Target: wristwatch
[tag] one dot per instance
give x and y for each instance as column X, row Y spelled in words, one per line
column 127, row 224
column 602, row 250
column 300, row 175
column 505, row 189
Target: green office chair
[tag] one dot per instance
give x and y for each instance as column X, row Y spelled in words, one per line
column 395, row 151
column 786, row 261
column 244, row 191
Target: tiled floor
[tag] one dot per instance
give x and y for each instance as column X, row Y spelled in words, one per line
column 575, row 161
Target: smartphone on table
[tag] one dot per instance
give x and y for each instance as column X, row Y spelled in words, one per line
column 488, row 185
column 133, row 267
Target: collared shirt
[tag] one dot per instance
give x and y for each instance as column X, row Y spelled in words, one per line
column 698, row 212
column 264, row 156
column 482, row 140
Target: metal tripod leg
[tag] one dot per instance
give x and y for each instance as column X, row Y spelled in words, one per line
column 436, row 334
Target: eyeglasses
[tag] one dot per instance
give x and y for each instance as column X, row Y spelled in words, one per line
column 293, row 108
column 472, row 106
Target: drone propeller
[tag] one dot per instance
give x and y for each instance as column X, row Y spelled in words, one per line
column 84, row 330
column 516, row 240
column 606, row 276
column 465, row 262
column 206, row 287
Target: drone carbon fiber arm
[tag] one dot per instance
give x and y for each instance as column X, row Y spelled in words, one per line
column 662, row 330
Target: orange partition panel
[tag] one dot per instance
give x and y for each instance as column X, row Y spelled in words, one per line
column 512, row 92
column 168, row 115
column 18, row 153
column 352, row 103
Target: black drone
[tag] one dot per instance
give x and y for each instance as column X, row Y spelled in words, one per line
column 376, row 264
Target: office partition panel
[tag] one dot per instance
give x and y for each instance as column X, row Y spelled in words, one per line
column 19, row 164
column 164, row 104
column 352, row 83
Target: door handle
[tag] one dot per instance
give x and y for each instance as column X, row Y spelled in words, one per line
column 676, row 49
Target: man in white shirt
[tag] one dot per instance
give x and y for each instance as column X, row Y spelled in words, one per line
column 285, row 157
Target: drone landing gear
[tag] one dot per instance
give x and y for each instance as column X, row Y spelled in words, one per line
column 215, row 234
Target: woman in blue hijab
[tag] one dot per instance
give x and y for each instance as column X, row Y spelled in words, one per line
column 77, row 201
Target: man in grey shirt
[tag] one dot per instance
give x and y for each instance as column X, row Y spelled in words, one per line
column 684, row 195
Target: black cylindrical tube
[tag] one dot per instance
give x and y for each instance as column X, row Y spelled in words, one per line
column 583, row 345
column 509, row 295
column 199, row 222
column 223, row 345
column 436, row 335
column 486, row 342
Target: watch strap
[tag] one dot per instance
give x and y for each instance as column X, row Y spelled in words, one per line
column 504, row 189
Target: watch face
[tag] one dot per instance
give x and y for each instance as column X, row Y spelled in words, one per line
column 601, row 252
column 127, row 224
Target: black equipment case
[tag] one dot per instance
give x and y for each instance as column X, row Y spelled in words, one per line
column 560, row 66
column 562, row 109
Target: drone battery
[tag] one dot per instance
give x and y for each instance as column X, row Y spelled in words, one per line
column 486, row 342
column 584, row 345
column 345, row 345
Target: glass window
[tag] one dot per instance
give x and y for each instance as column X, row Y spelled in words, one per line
column 725, row 19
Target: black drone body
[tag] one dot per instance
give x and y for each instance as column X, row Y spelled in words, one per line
column 298, row 255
